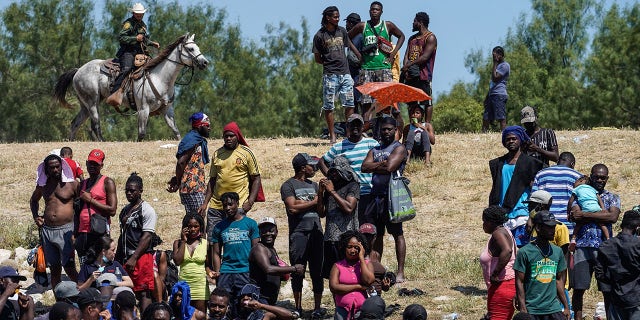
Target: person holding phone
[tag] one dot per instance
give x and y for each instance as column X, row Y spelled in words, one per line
column 419, row 135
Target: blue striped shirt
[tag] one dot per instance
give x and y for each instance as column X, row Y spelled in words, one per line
column 355, row 153
column 558, row 181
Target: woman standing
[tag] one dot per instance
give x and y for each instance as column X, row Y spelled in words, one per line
column 190, row 253
column 497, row 264
column 351, row 276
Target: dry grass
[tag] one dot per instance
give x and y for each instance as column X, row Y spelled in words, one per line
column 443, row 242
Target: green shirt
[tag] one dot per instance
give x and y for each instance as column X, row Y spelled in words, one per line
column 541, row 295
column 376, row 59
column 131, row 28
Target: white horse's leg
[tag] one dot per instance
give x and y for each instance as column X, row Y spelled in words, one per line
column 90, row 105
column 169, row 119
column 143, row 118
column 79, row 119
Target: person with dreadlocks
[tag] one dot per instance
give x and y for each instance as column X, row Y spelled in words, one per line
column 192, row 155
column 328, row 48
column 56, row 185
column 512, row 175
column 137, row 226
column 134, row 39
column 497, row 261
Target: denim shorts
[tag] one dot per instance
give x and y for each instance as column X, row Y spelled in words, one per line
column 341, row 84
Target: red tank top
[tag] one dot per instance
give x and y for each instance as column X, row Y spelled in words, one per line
column 99, row 194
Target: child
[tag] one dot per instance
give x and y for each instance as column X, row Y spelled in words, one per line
column 67, row 154
column 418, row 135
column 589, row 201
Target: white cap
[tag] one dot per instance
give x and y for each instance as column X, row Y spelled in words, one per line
column 138, row 8
column 267, row 220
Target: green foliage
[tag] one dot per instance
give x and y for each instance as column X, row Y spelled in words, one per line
column 457, row 111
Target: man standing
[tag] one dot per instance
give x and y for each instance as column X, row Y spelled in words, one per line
column 420, row 58
column 98, row 194
column 541, row 273
column 383, row 161
column 496, row 101
column 355, row 149
column 135, row 251
column 234, row 168
column 300, row 196
column 56, row 184
column 328, row 50
column 376, row 64
column 193, row 155
column 618, row 266
column 543, row 145
column 558, row 181
column 230, row 242
column 589, row 239
column 354, row 62
column 133, row 40
column 264, row 267
column 512, row 175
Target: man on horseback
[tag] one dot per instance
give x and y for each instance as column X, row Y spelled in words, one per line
column 133, row 40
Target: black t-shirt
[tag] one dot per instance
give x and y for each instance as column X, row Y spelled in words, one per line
column 331, row 45
column 301, row 190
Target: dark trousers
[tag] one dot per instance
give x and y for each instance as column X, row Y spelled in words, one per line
column 307, row 247
column 126, row 64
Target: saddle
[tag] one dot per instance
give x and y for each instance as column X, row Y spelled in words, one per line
column 111, row 68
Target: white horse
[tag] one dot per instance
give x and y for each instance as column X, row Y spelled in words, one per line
column 153, row 92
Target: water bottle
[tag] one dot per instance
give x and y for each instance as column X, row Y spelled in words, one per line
column 600, row 313
column 118, row 274
column 450, row 316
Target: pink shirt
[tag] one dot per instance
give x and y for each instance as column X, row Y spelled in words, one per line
column 99, row 194
column 489, row 262
column 350, row 275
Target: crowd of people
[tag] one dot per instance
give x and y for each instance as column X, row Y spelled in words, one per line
column 542, row 219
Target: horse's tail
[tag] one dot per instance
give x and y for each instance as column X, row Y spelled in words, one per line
column 62, row 84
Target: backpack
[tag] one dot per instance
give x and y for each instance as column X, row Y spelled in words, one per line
column 171, row 277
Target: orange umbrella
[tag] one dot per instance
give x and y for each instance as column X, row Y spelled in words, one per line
column 388, row 93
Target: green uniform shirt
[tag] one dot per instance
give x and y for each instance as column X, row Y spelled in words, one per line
column 131, row 28
column 376, row 59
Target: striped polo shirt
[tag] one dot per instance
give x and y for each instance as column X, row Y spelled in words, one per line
column 558, row 181
column 355, row 153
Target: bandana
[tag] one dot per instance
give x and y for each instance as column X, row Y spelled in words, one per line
column 518, row 131
column 198, row 120
column 233, row 127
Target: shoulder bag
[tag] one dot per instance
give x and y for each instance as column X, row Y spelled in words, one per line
column 400, row 201
column 383, row 44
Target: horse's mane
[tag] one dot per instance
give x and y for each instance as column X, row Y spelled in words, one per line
column 163, row 55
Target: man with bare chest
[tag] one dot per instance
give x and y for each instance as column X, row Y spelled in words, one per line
column 56, row 185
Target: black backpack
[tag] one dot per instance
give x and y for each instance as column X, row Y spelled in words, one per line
column 172, row 271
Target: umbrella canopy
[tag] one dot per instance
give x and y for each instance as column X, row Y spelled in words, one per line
column 388, row 93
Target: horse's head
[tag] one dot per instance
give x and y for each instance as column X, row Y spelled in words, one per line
column 190, row 53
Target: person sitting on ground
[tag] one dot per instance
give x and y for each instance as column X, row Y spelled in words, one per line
column 383, row 279
column 589, row 201
column 218, row 304
column 65, row 291
column 418, row 135
column 251, row 306
column 350, row 291
column 124, row 306
column 266, row 269
column 91, row 305
column 372, row 309
column 414, row 312
column 339, row 195
column 190, row 253
column 63, row 311
column 158, row 311
column 102, row 256
column 180, row 302
column 21, row 308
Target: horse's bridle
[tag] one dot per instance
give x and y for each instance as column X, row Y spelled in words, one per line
column 194, row 58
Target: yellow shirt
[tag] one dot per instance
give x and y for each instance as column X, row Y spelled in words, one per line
column 231, row 169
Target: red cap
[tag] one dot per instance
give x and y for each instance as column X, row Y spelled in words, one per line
column 96, row 155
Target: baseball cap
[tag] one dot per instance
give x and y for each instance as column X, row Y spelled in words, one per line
column 250, row 290
column 353, row 17
column 367, row 228
column 355, row 116
column 528, row 114
column 9, row 272
column 107, row 279
column 96, row 155
column 303, row 159
column 545, row 217
column 267, row 220
column 373, row 308
column 89, row 296
column 539, row 196
column 66, row 289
